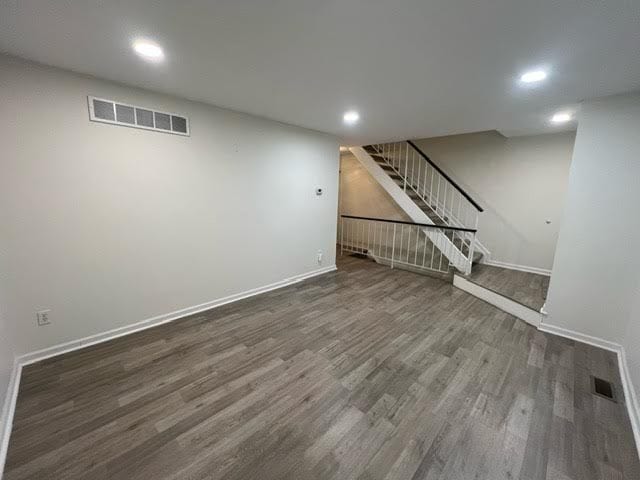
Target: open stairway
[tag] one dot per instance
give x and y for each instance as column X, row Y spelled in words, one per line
column 442, row 234
column 428, row 196
column 439, row 216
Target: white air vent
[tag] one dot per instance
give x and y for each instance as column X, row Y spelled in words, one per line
column 116, row 113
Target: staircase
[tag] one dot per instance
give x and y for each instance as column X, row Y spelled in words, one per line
column 429, row 197
column 442, row 236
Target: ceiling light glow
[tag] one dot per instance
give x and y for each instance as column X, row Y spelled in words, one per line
column 561, row 117
column 533, row 76
column 351, row 117
column 148, row 50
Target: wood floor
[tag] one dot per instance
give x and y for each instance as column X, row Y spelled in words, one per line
column 529, row 289
column 366, row 373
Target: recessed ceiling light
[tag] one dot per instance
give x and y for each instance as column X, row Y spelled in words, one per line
column 533, row 76
column 351, row 117
column 561, row 117
column 148, row 50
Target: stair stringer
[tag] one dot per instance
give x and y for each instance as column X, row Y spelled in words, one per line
column 452, row 220
column 446, row 246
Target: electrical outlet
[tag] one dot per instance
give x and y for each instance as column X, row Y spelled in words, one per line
column 44, row 317
column 319, row 257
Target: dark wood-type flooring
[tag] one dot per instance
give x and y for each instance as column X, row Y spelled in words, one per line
column 529, row 289
column 366, row 373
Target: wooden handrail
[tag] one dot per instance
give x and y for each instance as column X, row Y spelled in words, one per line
column 447, row 177
column 428, row 225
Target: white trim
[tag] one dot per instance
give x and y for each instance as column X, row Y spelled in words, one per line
column 486, row 254
column 544, row 312
column 8, row 410
column 160, row 319
column 580, row 337
column 404, row 201
column 527, row 314
column 631, row 399
column 29, row 358
column 513, row 266
column 630, row 396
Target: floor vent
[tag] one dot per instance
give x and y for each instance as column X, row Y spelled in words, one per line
column 602, row 388
column 116, row 113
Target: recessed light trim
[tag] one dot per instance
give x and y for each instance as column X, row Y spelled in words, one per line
column 562, row 117
column 533, row 76
column 351, row 117
column 148, row 49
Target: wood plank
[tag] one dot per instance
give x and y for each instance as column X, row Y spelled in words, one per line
column 367, row 373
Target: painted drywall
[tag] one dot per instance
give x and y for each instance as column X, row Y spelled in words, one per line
column 362, row 196
column 6, row 365
column 595, row 282
column 108, row 225
column 631, row 341
column 520, row 182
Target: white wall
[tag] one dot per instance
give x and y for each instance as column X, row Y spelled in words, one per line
column 631, row 341
column 361, row 195
column 520, row 182
column 107, row 225
column 6, row 364
column 595, row 285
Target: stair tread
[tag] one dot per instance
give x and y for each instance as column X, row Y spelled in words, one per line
column 430, row 211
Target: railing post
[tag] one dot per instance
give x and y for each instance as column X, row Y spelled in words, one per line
column 413, row 154
column 406, row 167
column 341, row 236
column 471, row 248
column 393, row 245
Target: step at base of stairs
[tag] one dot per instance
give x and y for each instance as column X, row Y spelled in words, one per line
column 527, row 314
column 446, row 277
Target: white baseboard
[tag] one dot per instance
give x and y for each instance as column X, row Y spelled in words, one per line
column 521, row 268
column 631, row 399
column 537, row 319
column 12, row 393
column 8, row 409
column 160, row 319
column 580, row 337
column 527, row 314
column 23, row 360
column 633, row 408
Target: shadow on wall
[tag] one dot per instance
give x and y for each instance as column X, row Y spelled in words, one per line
column 362, row 195
column 521, row 182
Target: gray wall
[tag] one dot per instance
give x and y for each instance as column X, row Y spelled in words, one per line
column 521, row 182
column 6, row 363
column 108, row 226
column 362, row 195
column 631, row 341
column 595, row 283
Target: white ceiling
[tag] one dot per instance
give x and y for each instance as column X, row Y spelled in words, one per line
column 412, row 68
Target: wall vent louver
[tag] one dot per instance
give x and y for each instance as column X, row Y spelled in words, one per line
column 603, row 388
column 117, row 113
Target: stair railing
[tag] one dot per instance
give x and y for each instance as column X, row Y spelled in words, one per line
column 425, row 180
column 430, row 183
column 404, row 244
